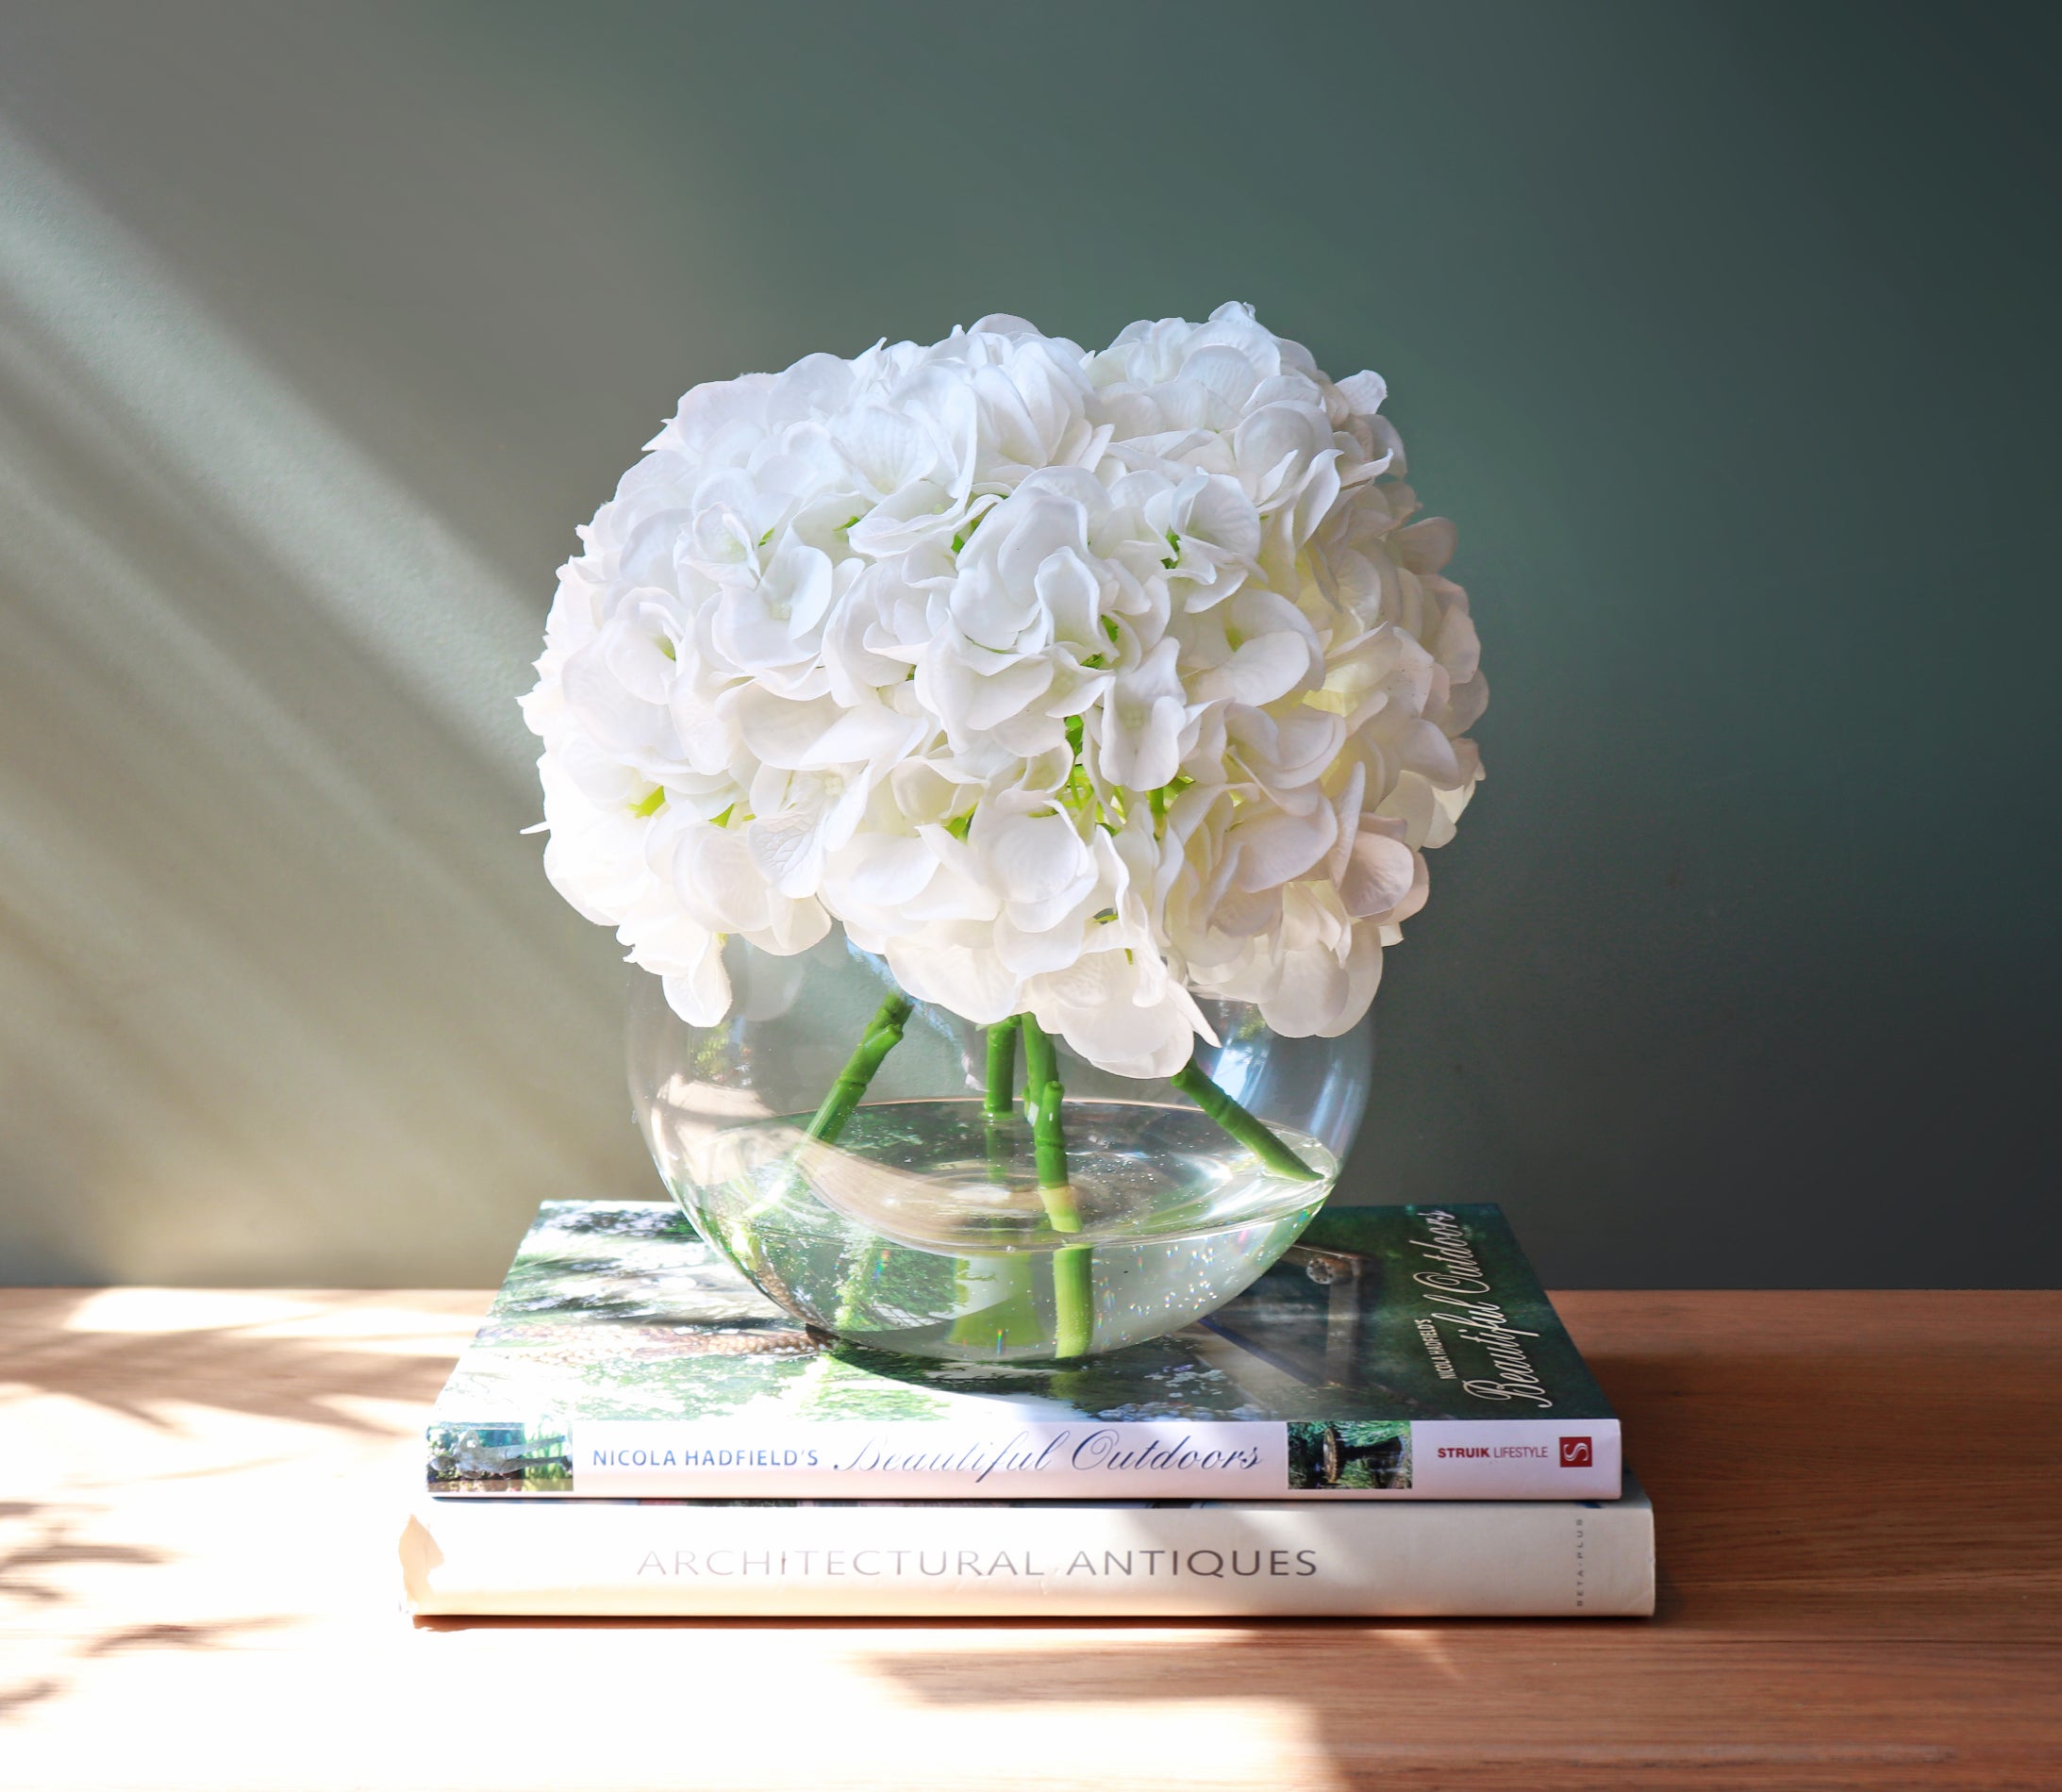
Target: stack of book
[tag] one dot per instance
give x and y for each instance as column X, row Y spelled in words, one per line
column 1391, row 1421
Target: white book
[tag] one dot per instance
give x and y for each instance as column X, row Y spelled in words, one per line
column 604, row 1558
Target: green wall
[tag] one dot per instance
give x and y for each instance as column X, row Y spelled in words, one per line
column 1724, row 331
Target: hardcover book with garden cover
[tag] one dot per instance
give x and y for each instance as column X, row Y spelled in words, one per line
column 1392, row 1353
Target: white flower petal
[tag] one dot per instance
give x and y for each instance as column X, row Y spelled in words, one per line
column 702, row 996
column 1379, row 875
column 1093, row 1006
column 972, row 985
column 1364, row 392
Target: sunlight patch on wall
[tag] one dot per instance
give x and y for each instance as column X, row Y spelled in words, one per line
column 278, row 975
column 88, row 309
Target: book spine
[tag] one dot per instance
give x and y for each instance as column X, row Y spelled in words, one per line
column 1163, row 1459
column 1436, row 1559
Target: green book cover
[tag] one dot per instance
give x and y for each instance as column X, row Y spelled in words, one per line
column 1392, row 1353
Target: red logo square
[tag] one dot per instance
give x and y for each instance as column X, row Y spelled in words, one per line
column 1576, row 1453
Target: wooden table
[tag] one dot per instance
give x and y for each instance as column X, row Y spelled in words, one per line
column 1860, row 1532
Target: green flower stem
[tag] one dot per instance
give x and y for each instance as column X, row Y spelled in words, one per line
column 1252, row 1133
column 1073, row 1305
column 1000, row 1101
column 994, row 1293
column 1073, row 1301
column 1002, row 1068
column 883, row 1034
column 1043, row 1095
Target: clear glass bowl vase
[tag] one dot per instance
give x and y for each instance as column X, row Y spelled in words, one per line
column 888, row 1172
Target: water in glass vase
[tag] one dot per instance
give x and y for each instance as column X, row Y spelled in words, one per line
column 924, row 1227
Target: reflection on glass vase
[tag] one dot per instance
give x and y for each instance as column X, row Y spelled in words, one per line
column 905, row 1179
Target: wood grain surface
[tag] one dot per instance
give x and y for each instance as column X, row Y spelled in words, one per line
column 1858, row 1497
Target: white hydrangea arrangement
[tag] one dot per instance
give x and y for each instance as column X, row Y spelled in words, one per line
column 1073, row 685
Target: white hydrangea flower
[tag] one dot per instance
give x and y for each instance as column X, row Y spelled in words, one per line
column 1072, row 683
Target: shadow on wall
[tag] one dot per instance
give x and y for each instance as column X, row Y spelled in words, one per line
column 276, row 976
